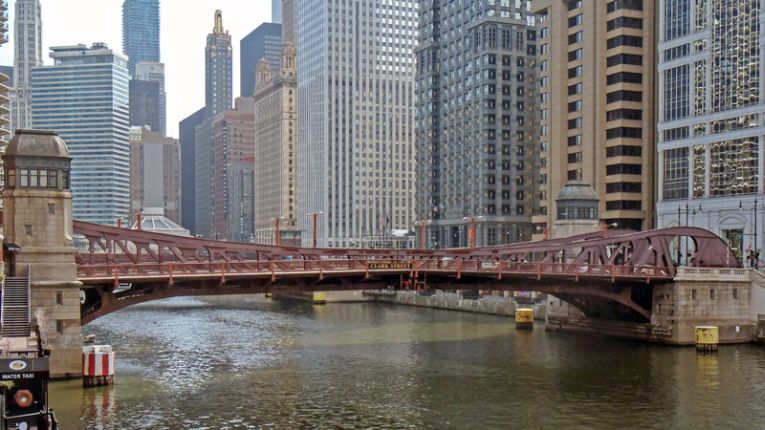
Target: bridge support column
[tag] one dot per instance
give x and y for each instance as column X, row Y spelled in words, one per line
column 38, row 218
column 701, row 296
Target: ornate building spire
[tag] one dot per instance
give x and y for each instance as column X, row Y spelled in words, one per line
column 218, row 22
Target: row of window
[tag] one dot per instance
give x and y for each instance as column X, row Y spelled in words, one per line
column 38, row 178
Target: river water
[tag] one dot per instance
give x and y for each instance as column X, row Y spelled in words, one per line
column 248, row 363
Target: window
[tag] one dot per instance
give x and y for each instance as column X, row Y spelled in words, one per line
column 575, row 38
column 631, row 114
column 733, row 167
column 575, row 20
column 677, row 20
column 575, row 175
column 626, row 96
column 574, row 4
column 575, row 72
column 675, row 171
column 575, row 55
column 624, row 40
column 575, row 106
column 676, row 93
column 575, row 123
column 624, row 169
column 678, row 133
column 624, row 132
column 631, row 59
column 679, row 51
column 624, row 205
column 624, row 22
column 624, row 151
column 624, row 187
column 624, row 4
column 575, row 89
column 633, row 78
column 575, row 140
column 576, row 157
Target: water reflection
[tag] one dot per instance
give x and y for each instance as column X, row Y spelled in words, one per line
column 247, row 363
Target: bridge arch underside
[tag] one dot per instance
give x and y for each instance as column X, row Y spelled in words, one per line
column 602, row 299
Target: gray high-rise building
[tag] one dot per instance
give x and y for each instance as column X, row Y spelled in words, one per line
column 263, row 42
column 154, row 72
column 289, row 21
column 276, row 11
column 145, row 101
column 187, row 134
column 218, row 83
column 27, row 54
column 476, row 122
column 356, row 118
column 140, row 31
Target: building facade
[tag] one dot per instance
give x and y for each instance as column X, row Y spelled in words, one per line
column 92, row 81
column 276, row 150
column 711, row 123
column 289, row 21
column 263, row 42
column 140, row 31
column 155, row 72
column 5, row 83
column 477, row 123
column 218, row 83
column 145, row 102
column 27, row 54
column 597, row 119
column 187, row 135
column 356, row 72
column 155, row 173
column 276, row 11
column 233, row 151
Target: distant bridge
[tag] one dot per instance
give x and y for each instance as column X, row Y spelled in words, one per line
column 605, row 274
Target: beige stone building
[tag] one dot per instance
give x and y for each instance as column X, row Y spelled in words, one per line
column 155, row 178
column 276, row 150
column 597, row 111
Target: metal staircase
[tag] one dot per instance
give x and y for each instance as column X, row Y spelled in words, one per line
column 15, row 316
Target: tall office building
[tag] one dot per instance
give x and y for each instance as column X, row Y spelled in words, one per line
column 218, row 83
column 289, row 21
column 711, row 125
column 155, row 72
column 4, row 93
column 27, row 54
column 155, row 176
column 276, row 11
column 276, row 150
column 140, row 31
column 263, row 42
column 233, row 152
column 145, row 101
column 356, row 118
column 477, row 124
column 597, row 107
column 93, row 82
column 187, row 135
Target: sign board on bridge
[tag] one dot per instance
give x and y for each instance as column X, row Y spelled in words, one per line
column 390, row 265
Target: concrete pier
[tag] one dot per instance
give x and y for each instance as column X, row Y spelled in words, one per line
column 493, row 305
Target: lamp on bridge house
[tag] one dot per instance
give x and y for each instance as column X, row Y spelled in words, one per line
column 38, row 218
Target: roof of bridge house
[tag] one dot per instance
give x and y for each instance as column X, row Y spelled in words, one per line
column 154, row 220
column 37, row 143
column 578, row 190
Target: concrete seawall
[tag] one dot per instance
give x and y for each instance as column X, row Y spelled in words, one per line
column 493, row 305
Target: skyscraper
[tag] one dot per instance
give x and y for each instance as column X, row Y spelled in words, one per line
column 218, row 84
column 263, row 42
column 276, row 150
column 356, row 118
column 27, row 54
column 154, row 72
column 140, row 31
column 155, row 175
column 289, row 21
column 597, row 119
column 187, row 134
column 145, row 102
column 276, row 11
column 4, row 83
column 711, row 128
column 91, row 82
column 476, row 148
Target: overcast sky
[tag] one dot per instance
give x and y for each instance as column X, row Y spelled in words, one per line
column 185, row 25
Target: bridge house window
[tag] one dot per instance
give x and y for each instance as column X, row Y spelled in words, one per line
column 38, row 178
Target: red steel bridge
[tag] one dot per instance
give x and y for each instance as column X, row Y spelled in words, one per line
column 605, row 274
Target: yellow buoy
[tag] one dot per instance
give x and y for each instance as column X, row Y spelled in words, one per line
column 707, row 338
column 524, row 318
column 319, row 297
column 268, row 295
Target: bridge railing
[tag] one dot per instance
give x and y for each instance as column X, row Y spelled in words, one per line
column 171, row 270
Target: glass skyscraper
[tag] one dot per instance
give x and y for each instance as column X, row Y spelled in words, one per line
column 140, row 31
column 356, row 70
column 84, row 98
column 711, row 122
column 263, row 42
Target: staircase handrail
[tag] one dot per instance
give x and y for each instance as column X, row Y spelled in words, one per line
column 2, row 307
column 29, row 296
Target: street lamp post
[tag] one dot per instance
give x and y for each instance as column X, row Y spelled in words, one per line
column 471, row 232
column 755, row 255
column 315, row 217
